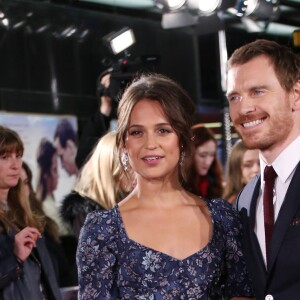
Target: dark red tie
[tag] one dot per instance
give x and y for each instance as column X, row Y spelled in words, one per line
column 269, row 176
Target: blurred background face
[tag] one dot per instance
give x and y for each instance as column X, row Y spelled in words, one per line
column 67, row 155
column 52, row 178
column 10, row 166
column 250, row 165
column 204, row 157
column 25, row 182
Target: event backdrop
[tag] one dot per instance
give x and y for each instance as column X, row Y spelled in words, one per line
column 32, row 128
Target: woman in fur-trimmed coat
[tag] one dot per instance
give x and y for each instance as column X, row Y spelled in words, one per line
column 75, row 208
column 101, row 183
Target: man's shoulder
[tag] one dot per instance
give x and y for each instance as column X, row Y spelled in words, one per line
column 245, row 196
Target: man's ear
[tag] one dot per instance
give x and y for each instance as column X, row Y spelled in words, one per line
column 296, row 96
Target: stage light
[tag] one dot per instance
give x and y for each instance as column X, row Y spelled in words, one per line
column 121, row 40
column 258, row 9
column 254, row 26
column 203, row 7
column 169, row 5
column 4, row 22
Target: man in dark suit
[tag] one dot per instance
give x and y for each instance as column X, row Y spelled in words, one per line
column 263, row 90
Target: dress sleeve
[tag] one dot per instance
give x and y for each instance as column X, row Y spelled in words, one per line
column 237, row 281
column 96, row 257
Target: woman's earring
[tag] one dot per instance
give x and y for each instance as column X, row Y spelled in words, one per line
column 182, row 158
column 125, row 160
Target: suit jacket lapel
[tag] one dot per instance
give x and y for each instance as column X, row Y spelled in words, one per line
column 253, row 236
column 254, row 256
column 289, row 208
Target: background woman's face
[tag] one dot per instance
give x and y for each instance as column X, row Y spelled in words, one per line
column 25, row 183
column 10, row 166
column 250, row 165
column 53, row 178
column 204, row 157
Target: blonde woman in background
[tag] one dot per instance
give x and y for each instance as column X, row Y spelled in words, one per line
column 100, row 185
column 242, row 165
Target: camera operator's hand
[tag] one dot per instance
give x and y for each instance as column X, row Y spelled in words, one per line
column 106, row 101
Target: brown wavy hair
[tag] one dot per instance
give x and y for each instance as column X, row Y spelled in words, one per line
column 201, row 135
column 234, row 174
column 176, row 104
column 19, row 214
column 286, row 63
column 50, row 227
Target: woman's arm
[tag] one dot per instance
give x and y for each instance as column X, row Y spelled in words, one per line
column 96, row 259
column 237, row 281
column 13, row 252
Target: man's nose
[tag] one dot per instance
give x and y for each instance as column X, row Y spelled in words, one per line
column 246, row 105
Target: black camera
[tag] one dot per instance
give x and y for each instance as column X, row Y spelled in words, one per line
column 122, row 73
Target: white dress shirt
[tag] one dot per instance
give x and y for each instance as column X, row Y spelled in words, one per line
column 284, row 165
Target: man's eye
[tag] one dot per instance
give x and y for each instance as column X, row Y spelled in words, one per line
column 234, row 98
column 258, row 92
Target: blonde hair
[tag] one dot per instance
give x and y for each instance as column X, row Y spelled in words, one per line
column 100, row 176
column 234, row 176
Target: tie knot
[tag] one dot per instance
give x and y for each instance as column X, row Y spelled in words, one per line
column 269, row 173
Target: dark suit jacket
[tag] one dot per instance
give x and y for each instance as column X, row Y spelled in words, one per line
column 282, row 279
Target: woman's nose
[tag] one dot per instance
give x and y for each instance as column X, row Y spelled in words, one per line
column 15, row 162
column 151, row 141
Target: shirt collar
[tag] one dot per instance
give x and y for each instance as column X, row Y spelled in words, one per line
column 286, row 161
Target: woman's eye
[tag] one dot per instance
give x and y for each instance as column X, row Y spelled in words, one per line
column 247, row 166
column 164, row 130
column 134, row 132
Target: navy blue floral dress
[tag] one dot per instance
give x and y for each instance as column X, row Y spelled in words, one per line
column 112, row 266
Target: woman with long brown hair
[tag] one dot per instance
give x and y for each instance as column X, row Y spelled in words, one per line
column 242, row 165
column 206, row 177
column 161, row 241
column 25, row 266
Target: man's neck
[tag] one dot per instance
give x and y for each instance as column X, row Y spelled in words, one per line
column 270, row 154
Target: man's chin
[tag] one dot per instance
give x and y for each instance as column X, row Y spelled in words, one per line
column 251, row 142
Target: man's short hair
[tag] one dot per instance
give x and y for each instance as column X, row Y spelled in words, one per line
column 64, row 132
